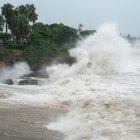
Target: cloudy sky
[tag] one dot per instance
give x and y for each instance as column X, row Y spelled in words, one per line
column 91, row 13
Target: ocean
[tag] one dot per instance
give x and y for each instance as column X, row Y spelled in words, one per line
column 101, row 91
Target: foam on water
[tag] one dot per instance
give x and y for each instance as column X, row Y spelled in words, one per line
column 105, row 52
column 101, row 101
column 100, row 110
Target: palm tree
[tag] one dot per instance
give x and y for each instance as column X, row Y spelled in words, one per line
column 2, row 21
column 34, row 18
column 20, row 27
column 7, row 12
column 31, row 15
column 22, row 9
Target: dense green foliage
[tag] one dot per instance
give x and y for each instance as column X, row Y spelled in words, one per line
column 35, row 40
column 1, row 23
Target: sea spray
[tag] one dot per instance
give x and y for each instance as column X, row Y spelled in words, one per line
column 105, row 52
column 100, row 110
column 100, row 91
column 16, row 71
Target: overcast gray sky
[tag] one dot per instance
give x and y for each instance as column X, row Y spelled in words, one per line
column 91, row 13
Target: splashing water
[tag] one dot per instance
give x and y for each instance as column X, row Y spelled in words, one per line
column 101, row 90
column 105, row 52
column 19, row 69
column 100, row 110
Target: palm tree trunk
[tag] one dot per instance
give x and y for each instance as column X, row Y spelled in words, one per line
column 6, row 27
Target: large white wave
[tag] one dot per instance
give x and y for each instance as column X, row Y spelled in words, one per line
column 105, row 52
column 100, row 110
column 99, row 90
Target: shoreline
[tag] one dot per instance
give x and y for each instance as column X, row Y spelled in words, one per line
column 26, row 122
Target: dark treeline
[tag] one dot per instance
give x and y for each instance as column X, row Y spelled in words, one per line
column 33, row 41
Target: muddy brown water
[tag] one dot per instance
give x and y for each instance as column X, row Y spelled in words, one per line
column 27, row 123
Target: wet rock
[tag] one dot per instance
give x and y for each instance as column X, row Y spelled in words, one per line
column 9, row 82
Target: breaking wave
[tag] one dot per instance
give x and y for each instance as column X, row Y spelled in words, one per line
column 101, row 109
column 100, row 90
column 105, row 52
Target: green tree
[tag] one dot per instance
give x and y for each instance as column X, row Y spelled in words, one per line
column 4, row 37
column 42, row 29
column 31, row 15
column 20, row 27
column 22, row 9
column 87, row 33
column 62, row 34
column 7, row 12
column 2, row 21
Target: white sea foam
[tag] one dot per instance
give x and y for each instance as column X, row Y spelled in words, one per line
column 101, row 108
column 105, row 52
column 16, row 71
column 101, row 90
